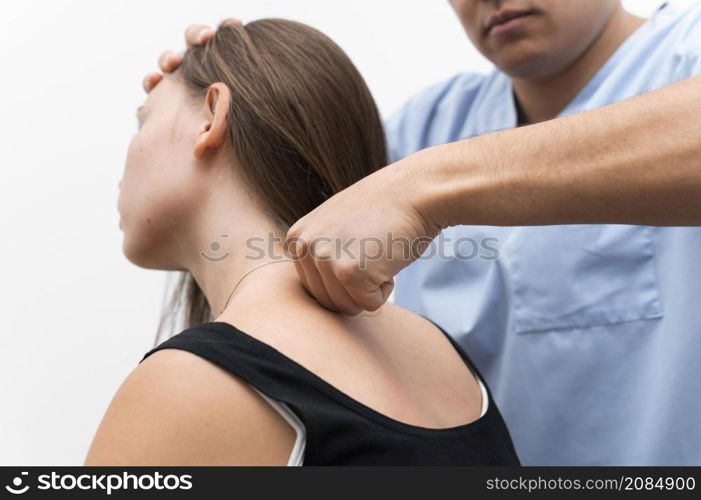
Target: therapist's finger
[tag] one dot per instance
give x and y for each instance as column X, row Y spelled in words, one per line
column 310, row 276
column 230, row 21
column 323, row 264
column 336, row 289
column 169, row 61
column 151, row 80
column 198, row 34
column 367, row 291
column 366, row 288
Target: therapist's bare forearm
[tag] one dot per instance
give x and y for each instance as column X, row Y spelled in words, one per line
column 634, row 162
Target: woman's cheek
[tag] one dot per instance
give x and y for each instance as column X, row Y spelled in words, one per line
column 135, row 184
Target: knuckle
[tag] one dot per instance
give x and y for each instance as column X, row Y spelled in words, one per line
column 192, row 29
column 346, row 272
column 230, row 21
column 321, row 250
column 294, row 232
column 295, row 247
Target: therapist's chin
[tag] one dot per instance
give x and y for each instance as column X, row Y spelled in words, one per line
column 529, row 55
column 528, row 59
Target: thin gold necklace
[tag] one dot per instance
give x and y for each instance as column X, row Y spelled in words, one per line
column 246, row 274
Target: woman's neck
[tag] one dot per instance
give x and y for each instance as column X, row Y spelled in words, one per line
column 228, row 234
column 224, row 261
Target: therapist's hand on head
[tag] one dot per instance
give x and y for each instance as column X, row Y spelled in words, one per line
column 169, row 61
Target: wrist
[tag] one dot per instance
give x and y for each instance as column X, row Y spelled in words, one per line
column 416, row 187
column 445, row 181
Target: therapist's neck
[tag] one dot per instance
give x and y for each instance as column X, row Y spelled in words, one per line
column 542, row 99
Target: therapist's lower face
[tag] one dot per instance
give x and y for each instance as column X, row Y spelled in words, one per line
column 533, row 38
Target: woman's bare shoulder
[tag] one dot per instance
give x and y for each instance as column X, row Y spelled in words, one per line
column 176, row 408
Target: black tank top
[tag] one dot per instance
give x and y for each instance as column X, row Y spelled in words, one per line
column 339, row 429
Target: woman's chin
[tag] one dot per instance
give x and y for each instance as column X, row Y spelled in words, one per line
column 144, row 256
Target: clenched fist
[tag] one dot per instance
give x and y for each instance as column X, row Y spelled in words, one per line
column 349, row 248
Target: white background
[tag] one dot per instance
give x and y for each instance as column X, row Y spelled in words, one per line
column 76, row 315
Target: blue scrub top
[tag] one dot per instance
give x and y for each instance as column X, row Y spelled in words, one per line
column 589, row 335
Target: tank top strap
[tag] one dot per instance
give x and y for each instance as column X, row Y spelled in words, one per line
column 465, row 357
column 257, row 363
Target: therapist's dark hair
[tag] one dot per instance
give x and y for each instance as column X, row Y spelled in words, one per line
column 302, row 123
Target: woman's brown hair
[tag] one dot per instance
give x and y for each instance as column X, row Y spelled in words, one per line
column 302, row 123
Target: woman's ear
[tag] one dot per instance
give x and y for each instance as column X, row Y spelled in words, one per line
column 214, row 129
